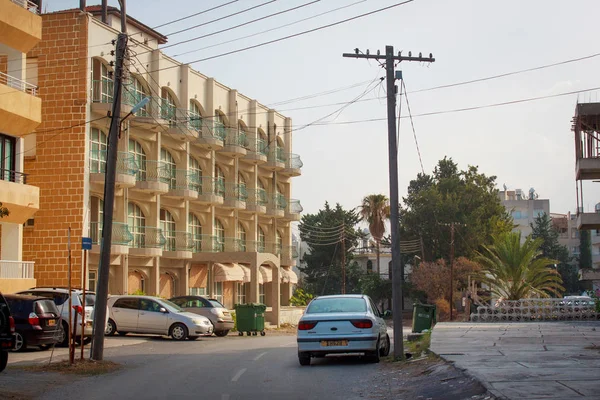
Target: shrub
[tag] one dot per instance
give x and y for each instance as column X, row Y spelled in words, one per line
column 300, row 298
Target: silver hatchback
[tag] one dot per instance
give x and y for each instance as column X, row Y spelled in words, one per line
column 147, row 314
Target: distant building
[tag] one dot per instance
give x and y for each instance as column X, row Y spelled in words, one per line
column 524, row 208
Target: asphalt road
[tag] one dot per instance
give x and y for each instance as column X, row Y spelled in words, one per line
column 222, row 368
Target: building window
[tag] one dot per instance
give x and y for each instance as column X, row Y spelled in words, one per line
column 195, row 175
column 195, row 116
column 241, row 293
column 167, row 172
column 262, row 193
column 7, row 156
column 98, row 147
column 219, row 126
column 197, row 291
column 241, row 236
column 261, row 293
column 195, row 229
column 219, row 236
column 242, row 191
column 261, row 240
column 220, row 190
column 137, row 93
column 137, row 224
column 97, row 219
column 538, row 213
column 168, row 108
column 139, row 155
column 92, row 280
column 278, row 243
column 218, row 292
column 167, row 224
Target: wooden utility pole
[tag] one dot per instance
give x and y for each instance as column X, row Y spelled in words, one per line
column 397, row 277
column 452, row 225
column 343, row 242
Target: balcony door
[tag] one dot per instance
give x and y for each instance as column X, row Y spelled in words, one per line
column 137, row 223
column 7, row 158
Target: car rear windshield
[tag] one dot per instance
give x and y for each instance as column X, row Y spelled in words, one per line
column 45, row 307
column 90, row 299
column 171, row 306
column 337, row 305
column 215, row 303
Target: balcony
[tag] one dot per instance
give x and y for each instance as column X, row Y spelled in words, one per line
column 276, row 160
column 125, row 172
column 586, row 125
column 257, row 153
column 211, row 191
column 21, row 200
column 20, row 108
column 149, row 117
column 235, row 196
column 102, row 98
column 288, row 255
column 204, row 244
column 276, row 206
column 257, row 201
column 184, row 184
column 293, row 163
column 153, row 177
column 147, row 241
column 293, row 210
column 20, row 24
column 588, row 221
column 235, row 143
column 16, row 275
column 588, row 274
column 210, row 137
column 179, row 126
column 235, row 245
column 178, row 245
column 120, row 240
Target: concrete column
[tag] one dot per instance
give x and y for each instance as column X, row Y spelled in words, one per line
column 17, row 63
column 210, row 280
column 153, row 287
column 276, row 295
column 125, row 274
column 12, row 242
column 253, row 295
column 286, row 293
column 184, row 279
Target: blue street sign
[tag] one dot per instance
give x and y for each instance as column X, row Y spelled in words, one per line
column 86, row 243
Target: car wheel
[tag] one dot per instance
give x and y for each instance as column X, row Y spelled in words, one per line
column 111, row 328
column 179, row 332
column 373, row 356
column 63, row 336
column 122, row 333
column 3, row 359
column 304, row 358
column 386, row 348
column 20, row 343
column 221, row 333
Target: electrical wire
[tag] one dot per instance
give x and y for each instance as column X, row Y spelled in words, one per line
column 413, row 127
column 193, row 15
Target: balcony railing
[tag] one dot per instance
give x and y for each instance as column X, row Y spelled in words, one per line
column 262, row 147
column 147, row 237
column 293, row 161
column 235, row 244
column 126, row 163
column 13, row 176
column 185, row 179
column 257, row 197
column 219, row 130
column 294, row 207
column 236, row 137
column 120, row 233
column 167, row 111
column 210, row 185
column 178, row 241
column 204, row 243
column 29, row 5
column 16, row 269
column 155, row 171
column 18, row 84
column 278, row 202
column 289, row 252
column 236, row 191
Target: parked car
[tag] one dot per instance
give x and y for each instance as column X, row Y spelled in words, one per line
column 219, row 316
column 342, row 324
column 7, row 332
column 60, row 296
column 37, row 321
column 147, row 314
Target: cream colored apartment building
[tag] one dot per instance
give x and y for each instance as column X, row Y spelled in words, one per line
column 204, row 174
column 20, row 114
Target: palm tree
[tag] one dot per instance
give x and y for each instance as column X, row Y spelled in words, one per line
column 375, row 209
column 516, row 271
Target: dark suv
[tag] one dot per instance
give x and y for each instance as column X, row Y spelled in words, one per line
column 37, row 321
column 7, row 333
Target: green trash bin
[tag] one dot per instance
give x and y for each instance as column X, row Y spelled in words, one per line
column 250, row 318
column 423, row 317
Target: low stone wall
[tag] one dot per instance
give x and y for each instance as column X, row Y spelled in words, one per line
column 287, row 315
column 538, row 310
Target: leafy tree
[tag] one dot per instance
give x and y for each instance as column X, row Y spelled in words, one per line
column 373, row 286
column 375, row 209
column 516, row 271
column 4, row 211
column 449, row 195
column 322, row 232
column 300, row 298
column 585, row 249
column 543, row 229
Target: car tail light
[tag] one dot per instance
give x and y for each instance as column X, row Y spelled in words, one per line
column 306, row 325
column 11, row 323
column 363, row 323
column 34, row 321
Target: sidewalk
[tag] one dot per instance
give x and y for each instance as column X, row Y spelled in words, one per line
column 549, row 360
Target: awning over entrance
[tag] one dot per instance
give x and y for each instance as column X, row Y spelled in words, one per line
column 265, row 274
column 228, row 272
column 247, row 273
column 288, row 276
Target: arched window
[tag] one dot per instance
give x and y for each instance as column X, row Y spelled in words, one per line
column 261, row 240
column 219, row 125
column 261, row 144
column 195, row 229
column 261, row 193
column 279, row 152
column 98, row 147
column 139, row 155
column 278, row 242
column 242, row 190
column 195, row 175
column 97, row 219
column 168, row 108
column 138, row 92
column 167, row 224
column 167, row 171
column 137, row 224
column 219, row 235
column 242, row 139
column 220, row 175
column 241, row 236
column 195, row 116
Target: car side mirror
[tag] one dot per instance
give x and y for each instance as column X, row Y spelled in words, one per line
column 387, row 314
column 163, row 310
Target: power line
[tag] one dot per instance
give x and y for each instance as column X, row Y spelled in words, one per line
column 269, row 30
column 289, row 36
column 192, row 15
column 413, row 127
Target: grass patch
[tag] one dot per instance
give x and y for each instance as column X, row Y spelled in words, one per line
column 80, row 367
column 418, row 347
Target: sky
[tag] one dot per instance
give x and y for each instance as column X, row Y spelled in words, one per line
column 526, row 145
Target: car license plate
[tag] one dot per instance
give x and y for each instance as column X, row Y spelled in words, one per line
column 51, row 322
column 328, row 343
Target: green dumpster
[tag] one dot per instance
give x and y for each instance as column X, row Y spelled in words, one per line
column 250, row 318
column 423, row 317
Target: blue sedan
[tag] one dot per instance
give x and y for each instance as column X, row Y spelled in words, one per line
column 342, row 324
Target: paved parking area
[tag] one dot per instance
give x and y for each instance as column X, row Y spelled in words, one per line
column 549, row 360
